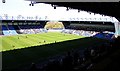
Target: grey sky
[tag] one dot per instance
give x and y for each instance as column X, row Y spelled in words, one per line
column 21, row 7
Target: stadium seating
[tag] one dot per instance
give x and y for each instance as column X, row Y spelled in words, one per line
column 34, row 29
column 104, row 36
column 74, row 61
column 12, row 30
column 31, row 29
column 107, row 35
column 5, row 30
column 8, row 30
column 78, row 32
column 16, row 27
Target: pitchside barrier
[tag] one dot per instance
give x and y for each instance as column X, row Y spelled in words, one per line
column 55, row 30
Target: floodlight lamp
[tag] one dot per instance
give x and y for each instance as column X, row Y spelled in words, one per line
column 67, row 8
column 3, row 1
column 54, row 7
column 32, row 4
column 29, row 4
column 78, row 10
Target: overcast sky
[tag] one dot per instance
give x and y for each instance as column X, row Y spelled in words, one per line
column 21, row 7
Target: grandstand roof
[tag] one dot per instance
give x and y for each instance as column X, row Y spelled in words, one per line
column 105, row 7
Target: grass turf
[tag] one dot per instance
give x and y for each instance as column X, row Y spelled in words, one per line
column 27, row 40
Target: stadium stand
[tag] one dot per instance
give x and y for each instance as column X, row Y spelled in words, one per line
column 79, row 32
column 5, row 30
column 31, row 29
column 90, row 59
column 63, row 27
column 103, row 55
column 104, row 35
column 80, row 60
column 16, row 27
column 12, row 30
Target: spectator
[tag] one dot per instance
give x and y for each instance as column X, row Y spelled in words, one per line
column 33, row 67
column 86, row 54
column 67, row 62
column 53, row 66
column 76, row 58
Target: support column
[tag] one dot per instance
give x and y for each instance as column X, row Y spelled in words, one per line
column 117, row 28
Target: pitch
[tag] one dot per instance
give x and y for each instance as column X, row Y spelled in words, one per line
column 28, row 40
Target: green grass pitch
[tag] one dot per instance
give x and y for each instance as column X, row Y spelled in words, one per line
column 27, row 40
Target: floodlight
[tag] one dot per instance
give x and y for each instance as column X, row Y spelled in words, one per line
column 3, row 1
